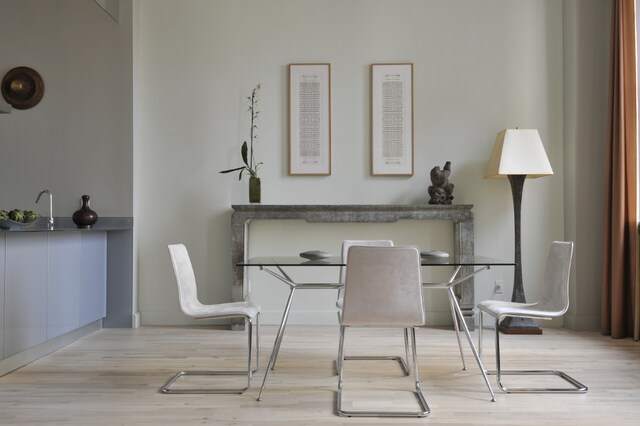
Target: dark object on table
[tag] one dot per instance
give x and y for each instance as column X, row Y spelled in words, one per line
column 440, row 189
column 22, row 87
column 315, row 254
column 85, row 217
column 434, row 253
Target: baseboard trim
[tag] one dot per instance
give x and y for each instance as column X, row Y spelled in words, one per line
column 27, row 356
column 135, row 320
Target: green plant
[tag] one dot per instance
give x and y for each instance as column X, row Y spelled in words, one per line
column 250, row 164
column 17, row 215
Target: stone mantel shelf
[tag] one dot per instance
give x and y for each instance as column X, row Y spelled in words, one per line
column 377, row 213
column 459, row 214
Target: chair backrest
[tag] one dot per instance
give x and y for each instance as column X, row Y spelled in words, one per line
column 555, row 290
column 347, row 244
column 383, row 287
column 185, row 278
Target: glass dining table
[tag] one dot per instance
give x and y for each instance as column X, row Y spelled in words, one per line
column 464, row 267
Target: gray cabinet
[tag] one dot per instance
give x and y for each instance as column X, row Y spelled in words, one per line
column 63, row 284
column 3, row 242
column 93, row 277
column 57, row 284
column 53, row 283
column 25, row 304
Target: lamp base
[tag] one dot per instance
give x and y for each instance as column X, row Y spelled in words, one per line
column 512, row 325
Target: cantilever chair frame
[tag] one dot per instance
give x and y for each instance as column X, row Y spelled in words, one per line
column 424, row 407
column 425, row 410
column 540, row 314
column 167, row 389
column 577, row 387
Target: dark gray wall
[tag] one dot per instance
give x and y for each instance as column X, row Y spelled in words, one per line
column 78, row 140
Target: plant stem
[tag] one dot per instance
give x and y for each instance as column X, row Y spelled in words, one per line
column 251, row 159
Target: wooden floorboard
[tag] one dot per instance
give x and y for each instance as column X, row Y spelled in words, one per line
column 112, row 377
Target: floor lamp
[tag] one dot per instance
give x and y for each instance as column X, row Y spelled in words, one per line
column 518, row 154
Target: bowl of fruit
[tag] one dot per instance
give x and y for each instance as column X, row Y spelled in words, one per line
column 16, row 218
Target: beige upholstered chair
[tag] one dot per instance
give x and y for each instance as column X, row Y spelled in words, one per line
column 191, row 306
column 553, row 303
column 383, row 288
column 346, row 245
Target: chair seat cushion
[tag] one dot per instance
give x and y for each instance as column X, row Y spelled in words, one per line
column 497, row 308
column 221, row 310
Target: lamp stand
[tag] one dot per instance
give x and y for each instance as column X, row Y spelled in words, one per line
column 512, row 325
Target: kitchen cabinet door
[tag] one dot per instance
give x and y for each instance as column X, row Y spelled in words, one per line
column 93, row 277
column 63, row 286
column 25, row 291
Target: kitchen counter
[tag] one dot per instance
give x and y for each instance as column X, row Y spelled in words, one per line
column 118, row 232
column 65, row 224
column 59, row 284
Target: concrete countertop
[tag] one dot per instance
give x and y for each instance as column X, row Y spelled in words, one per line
column 65, row 224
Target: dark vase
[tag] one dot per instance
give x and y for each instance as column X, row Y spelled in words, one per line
column 85, row 217
column 254, row 190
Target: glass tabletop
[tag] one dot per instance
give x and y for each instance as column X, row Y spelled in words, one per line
column 337, row 261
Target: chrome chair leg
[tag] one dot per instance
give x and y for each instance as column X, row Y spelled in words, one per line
column 249, row 332
column 480, row 333
column 424, row 408
column 404, row 362
column 576, row 386
column 473, row 348
column 277, row 343
column 456, row 325
column 423, row 402
column 166, row 388
column 406, row 347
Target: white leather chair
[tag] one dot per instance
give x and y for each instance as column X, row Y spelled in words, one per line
column 553, row 303
column 383, row 288
column 191, row 306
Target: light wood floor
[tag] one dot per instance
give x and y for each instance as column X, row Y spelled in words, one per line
column 112, row 378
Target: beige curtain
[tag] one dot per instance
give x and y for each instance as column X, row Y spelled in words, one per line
column 619, row 283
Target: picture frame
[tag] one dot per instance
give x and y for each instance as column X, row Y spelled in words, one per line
column 392, row 119
column 310, row 119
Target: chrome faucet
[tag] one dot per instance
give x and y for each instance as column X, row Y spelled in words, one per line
column 46, row 191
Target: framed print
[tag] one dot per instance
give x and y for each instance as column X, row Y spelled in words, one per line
column 392, row 119
column 309, row 119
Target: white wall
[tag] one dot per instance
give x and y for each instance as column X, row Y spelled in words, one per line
column 78, row 139
column 586, row 73
column 479, row 67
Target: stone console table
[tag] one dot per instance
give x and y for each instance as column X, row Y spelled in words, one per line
column 460, row 215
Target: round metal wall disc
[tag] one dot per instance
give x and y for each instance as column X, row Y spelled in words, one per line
column 22, row 87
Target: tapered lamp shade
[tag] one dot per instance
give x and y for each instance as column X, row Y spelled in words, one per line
column 518, row 152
